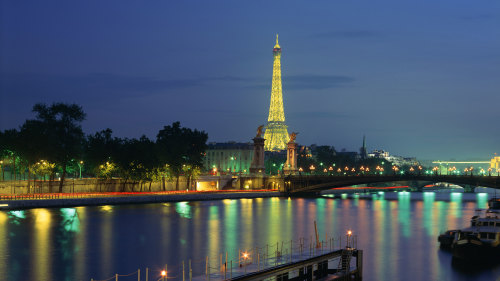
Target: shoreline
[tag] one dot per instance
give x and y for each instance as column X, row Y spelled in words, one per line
column 140, row 199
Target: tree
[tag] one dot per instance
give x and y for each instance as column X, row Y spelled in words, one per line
column 10, row 149
column 101, row 151
column 61, row 131
column 179, row 146
column 325, row 154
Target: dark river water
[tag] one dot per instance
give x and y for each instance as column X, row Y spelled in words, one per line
column 397, row 231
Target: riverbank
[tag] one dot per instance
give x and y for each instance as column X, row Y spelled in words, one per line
column 132, row 199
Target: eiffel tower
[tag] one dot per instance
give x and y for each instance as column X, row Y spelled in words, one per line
column 276, row 133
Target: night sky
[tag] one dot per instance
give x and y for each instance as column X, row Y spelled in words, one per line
column 418, row 78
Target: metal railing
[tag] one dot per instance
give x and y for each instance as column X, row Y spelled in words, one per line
column 227, row 265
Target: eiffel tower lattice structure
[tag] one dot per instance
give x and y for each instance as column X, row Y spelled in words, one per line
column 276, row 133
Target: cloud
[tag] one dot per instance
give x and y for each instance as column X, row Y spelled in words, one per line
column 349, row 34
column 93, row 85
column 317, row 114
column 306, row 82
column 230, row 78
column 315, row 81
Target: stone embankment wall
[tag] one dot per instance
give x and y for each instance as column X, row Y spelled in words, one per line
column 102, row 185
column 133, row 199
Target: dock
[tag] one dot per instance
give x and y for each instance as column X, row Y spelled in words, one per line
column 302, row 259
column 336, row 265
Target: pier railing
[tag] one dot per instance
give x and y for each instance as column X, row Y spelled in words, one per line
column 226, row 266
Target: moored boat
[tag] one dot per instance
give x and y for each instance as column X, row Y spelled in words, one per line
column 481, row 240
column 494, row 204
column 446, row 239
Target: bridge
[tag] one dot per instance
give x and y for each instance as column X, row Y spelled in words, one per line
column 300, row 184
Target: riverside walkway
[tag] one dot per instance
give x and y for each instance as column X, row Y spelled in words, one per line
column 54, row 200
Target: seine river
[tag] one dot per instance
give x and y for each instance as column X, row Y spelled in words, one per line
column 397, row 231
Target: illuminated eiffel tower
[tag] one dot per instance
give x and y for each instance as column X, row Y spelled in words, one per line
column 276, row 134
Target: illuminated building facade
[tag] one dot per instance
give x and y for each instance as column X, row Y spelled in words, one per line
column 276, row 133
column 495, row 163
column 229, row 157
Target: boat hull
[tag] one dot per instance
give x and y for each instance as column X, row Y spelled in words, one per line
column 474, row 250
column 446, row 239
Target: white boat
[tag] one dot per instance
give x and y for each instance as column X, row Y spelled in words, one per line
column 480, row 241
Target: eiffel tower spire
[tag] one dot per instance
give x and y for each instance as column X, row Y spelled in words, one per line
column 276, row 134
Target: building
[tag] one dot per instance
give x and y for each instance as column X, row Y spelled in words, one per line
column 395, row 160
column 229, row 157
column 495, row 163
column 363, row 154
column 276, row 133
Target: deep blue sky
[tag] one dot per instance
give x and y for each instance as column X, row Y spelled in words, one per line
column 419, row 78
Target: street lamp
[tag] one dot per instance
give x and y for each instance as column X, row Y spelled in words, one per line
column 435, row 169
column 1, row 166
column 395, row 169
column 80, row 164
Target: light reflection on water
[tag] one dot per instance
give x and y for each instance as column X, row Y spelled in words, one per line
column 398, row 236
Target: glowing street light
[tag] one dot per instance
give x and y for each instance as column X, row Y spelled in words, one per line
column 312, row 168
column 80, row 164
column 1, row 167
column 349, row 234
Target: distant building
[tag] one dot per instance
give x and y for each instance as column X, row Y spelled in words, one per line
column 495, row 163
column 378, row 154
column 229, row 157
column 396, row 160
column 362, row 151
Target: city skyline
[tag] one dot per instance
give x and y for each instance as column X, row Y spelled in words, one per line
column 417, row 79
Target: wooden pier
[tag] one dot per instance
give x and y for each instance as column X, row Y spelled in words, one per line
column 336, row 265
column 299, row 260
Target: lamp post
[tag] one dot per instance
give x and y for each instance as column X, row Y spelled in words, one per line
column 349, row 233
column 80, row 164
column 1, row 166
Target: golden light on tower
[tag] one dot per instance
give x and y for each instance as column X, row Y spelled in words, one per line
column 276, row 133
